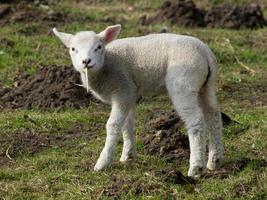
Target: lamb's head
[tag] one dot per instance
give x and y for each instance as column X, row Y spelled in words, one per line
column 87, row 49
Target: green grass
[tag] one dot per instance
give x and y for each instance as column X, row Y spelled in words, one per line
column 62, row 169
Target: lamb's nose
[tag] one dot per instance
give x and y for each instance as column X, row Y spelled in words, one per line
column 86, row 61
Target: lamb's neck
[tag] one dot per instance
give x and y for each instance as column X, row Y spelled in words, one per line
column 98, row 78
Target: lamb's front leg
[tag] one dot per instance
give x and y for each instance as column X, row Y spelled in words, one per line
column 114, row 125
column 129, row 150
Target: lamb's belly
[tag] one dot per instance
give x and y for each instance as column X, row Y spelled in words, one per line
column 100, row 97
column 152, row 83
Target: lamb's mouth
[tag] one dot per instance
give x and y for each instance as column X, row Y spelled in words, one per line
column 89, row 66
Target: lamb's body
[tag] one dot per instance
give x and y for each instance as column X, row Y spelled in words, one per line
column 143, row 62
column 131, row 67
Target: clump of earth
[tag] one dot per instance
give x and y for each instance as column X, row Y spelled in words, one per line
column 164, row 136
column 186, row 13
column 45, row 2
column 35, row 11
column 120, row 185
column 28, row 141
column 53, row 87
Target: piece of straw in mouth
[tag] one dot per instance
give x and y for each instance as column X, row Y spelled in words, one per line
column 86, row 77
column 80, row 85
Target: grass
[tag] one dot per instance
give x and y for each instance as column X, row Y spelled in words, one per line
column 63, row 170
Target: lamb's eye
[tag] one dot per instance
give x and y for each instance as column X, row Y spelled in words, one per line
column 98, row 48
column 73, row 49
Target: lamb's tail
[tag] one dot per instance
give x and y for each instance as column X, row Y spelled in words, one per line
column 212, row 67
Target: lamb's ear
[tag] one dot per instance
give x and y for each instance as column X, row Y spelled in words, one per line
column 110, row 33
column 64, row 37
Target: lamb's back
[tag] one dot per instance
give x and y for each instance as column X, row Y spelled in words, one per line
column 146, row 58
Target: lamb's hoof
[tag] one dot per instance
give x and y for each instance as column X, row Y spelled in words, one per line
column 213, row 165
column 98, row 168
column 195, row 172
column 126, row 158
column 100, row 165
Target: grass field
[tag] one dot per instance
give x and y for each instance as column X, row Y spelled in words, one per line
column 56, row 159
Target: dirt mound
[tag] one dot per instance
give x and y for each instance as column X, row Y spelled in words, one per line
column 51, row 87
column 45, row 2
column 28, row 13
column 182, row 13
column 186, row 13
column 227, row 16
column 164, row 137
column 234, row 167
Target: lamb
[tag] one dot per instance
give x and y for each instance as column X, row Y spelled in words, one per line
column 119, row 71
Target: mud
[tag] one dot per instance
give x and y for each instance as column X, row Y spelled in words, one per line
column 234, row 167
column 117, row 187
column 165, row 139
column 24, row 1
column 164, row 136
column 248, row 93
column 235, row 17
column 29, row 12
column 52, row 87
column 121, row 185
column 153, row 179
column 25, row 141
column 145, row 185
column 186, row 13
column 182, row 13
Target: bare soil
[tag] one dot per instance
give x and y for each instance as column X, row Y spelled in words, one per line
column 117, row 187
column 52, row 87
column 164, row 136
column 234, row 167
column 235, row 17
column 121, row 185
column 25, row 141
column 186, row 13
column 250, row 93
column 182, row 13
column 28, row 12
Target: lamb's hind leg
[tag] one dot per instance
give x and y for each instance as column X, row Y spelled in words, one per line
column 186, row 104
column 214, row 126
column 129, row 150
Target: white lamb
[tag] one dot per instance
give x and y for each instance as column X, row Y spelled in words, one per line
column 118, row 72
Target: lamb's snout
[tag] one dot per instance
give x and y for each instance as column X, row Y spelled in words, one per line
column 86, row 62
